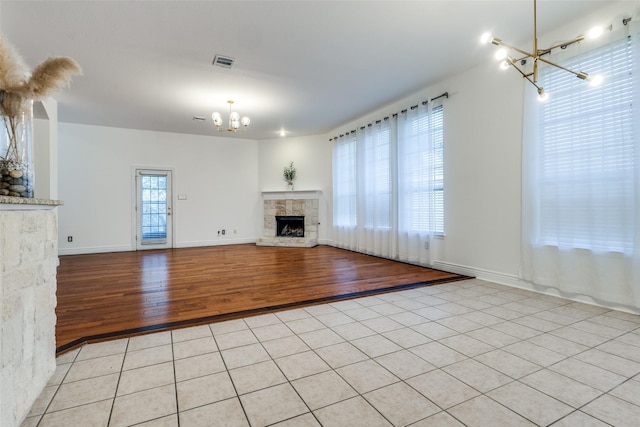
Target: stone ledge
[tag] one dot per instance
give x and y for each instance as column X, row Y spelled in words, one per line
column 21, row 203
column 292, row 242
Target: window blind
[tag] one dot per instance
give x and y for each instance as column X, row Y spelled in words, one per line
column 585, row 170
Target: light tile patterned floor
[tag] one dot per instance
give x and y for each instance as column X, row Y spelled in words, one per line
column 468, row 353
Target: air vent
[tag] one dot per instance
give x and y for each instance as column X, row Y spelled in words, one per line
column 199, row 118
column 223, row 61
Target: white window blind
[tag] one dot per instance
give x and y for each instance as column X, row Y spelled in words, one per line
column 585, row 171
column 421, row 154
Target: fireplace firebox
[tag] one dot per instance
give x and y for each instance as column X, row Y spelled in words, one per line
column 290, row 226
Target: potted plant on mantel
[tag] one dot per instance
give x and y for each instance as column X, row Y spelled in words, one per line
column 289, row 175
column 18, row 89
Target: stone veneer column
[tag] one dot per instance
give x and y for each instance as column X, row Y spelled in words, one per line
column 28, row 261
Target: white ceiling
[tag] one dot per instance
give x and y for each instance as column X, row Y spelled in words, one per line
column 305, row 66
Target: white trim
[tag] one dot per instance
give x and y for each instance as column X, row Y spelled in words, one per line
column 94, row 250
column 294, row 194
column 215, row 243
column 515, row 282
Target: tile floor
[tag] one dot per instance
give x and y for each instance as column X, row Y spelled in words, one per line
column 468, row 353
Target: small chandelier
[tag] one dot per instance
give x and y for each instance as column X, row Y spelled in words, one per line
column 234, row 120
column 538, row 55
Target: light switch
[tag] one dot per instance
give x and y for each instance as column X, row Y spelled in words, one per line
column 182, row 197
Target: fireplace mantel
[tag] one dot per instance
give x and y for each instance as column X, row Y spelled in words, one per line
column 293, row 194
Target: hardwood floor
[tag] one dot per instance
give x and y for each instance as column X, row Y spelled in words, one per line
column 101, row 296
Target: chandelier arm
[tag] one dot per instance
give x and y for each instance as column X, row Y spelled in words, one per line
column 524, row 52
column 533, row 83
column 561, row 45
column 580, row 74
column 526, row 76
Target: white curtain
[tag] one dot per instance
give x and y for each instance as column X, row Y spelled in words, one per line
column 344, row 191
column 374, row 201
column 388, row 185
column 417, row 178
column 581, row 174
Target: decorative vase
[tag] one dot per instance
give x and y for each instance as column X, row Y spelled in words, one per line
column 290, row 185
column 16, row 153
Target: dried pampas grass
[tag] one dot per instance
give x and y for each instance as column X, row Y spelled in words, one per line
column 13, row 70
column 51, row 75
column 18, row 87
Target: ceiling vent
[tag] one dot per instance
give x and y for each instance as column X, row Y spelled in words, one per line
column 223, row 61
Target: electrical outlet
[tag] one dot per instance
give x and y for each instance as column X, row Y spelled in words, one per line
column 69, row 239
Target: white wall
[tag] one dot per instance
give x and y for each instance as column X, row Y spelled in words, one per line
column 311, row 155
column 218, row 175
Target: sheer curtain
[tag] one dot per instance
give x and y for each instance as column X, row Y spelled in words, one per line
column 374, row 201
column 417, row 179
column 344, row 191
column 581, row 175
column 388, row 185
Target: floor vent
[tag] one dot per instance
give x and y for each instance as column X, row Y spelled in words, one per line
column 223, row 61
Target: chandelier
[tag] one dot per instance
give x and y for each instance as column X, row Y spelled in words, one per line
column 537, row 55
column 234, row 120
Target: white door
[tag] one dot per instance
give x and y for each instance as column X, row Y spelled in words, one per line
column 153, row 209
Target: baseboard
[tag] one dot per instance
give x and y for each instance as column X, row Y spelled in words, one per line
column 515, row 282
column 217, row 242
column 93, row 250
column 105, row 249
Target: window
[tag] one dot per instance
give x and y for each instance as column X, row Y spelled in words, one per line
column 421, row 172
column 585, row 154
column 154, row 206
column 388, row 185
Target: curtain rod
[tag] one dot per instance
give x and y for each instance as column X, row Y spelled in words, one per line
column 413, row 107
column 446, row 95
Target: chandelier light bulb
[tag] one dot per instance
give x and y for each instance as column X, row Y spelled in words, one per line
column 542, row 95
column 217, row 119
column 484, row 38
column 501, row 54
column 245, row 121
column 595, row 80
column 234, row 116
column 595, row 32
column 504, row 65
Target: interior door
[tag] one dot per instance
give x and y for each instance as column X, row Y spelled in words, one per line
column 153, row 209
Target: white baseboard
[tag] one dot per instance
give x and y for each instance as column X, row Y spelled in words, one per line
column 93, row 250
column 515, row 282
column 217, row 242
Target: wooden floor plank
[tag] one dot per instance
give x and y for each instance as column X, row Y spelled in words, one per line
column 117, row 294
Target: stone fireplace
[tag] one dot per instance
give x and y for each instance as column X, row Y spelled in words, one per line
column 290, row 218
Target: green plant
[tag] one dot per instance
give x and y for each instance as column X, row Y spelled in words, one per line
column 289, row 173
